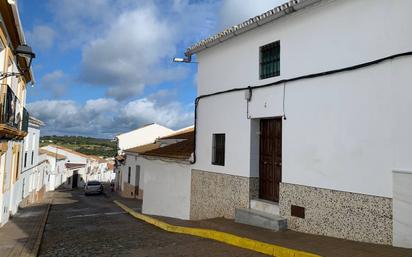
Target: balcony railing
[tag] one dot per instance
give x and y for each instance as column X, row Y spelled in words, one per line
column 13, row 118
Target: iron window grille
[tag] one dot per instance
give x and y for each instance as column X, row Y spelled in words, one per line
column 270, row 60
column 218, row 155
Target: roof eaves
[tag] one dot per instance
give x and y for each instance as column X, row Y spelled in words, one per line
column 250, row 24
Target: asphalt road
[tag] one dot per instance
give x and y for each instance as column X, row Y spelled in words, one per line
column 81, row 225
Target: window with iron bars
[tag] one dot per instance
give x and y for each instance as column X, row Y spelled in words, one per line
column 270, row 60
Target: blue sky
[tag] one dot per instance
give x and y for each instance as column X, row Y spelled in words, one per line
column 104, row 66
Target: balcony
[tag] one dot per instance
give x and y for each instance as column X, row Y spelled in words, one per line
column 14, row 119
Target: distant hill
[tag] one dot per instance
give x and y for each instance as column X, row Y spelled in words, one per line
column 85, row 145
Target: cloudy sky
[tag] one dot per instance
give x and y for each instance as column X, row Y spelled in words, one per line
column 104, row 66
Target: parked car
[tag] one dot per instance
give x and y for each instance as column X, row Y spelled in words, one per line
column 93, row 187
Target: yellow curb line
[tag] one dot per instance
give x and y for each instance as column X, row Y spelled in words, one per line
column 242, row 242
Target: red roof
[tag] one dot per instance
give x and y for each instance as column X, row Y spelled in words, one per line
column 181, row 150
column 70, row 165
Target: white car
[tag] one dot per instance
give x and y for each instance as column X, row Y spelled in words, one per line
column 93, row 187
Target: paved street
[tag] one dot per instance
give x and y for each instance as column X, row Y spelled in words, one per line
column 81, row 225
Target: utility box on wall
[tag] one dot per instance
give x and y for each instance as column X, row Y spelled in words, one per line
column 402, row 209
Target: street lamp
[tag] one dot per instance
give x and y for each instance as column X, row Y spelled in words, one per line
column 184, row 60
column 21, row 51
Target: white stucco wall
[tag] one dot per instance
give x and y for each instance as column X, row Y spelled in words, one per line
column 132, row 160
column 328, row 36
column 142, row 136
column 166, row 188
column 402, row 209
column 341, row 130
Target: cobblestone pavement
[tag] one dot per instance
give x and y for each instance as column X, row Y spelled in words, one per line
column 81, row 225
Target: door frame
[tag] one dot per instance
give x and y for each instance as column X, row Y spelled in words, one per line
column 280, row 118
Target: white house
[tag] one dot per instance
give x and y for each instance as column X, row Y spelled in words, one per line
column 307, row 106
column 141, row 136
column 13, row 114
column 133, row 178
column 77, row 166
column 167, row 176
column 30, row 185
column 145, row 135
column 55, row 170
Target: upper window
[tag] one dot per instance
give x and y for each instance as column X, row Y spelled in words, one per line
column 129, row 175
column 270, row 60
column 218, row 155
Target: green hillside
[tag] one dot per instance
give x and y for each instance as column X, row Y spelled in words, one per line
column 86, row 145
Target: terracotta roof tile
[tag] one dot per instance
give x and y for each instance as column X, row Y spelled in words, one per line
column 70, row 165
column 183, row 134
column 181, row 150
column 143, row 148
column 51, row 154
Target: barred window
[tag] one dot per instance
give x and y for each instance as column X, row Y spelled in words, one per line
column 270, row 60
column 218, row 155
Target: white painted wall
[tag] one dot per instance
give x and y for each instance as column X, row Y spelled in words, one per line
column 331, row 35
column 132, row 160
column 142, row 136
column 166, row 188
column 402, row 209
column 341, row 130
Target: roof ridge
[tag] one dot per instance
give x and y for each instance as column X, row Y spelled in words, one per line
column 246, row 25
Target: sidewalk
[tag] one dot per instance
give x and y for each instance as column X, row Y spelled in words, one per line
column 21, row 236
column 322, row 245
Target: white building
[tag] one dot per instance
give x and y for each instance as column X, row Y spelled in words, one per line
column 77, row 166
column 166, row 175
column 308, row 106
column 55, row 170
column 141, row 136
column 13, row 115
column 136, row 138
column 30, row 183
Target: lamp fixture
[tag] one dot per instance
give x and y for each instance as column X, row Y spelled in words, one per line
column 23, row 52
column 184, row 59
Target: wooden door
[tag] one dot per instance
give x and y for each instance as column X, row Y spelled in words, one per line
column 270, row 168
column 75, row 179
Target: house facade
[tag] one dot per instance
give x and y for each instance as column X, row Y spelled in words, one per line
column 77, row 166
column 14, row 118
column 126, row 167
column 308, row 110
column 55, row 169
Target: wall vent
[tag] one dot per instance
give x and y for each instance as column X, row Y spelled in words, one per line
column 297, row 211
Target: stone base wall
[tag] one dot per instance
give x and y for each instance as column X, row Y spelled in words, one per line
column 33, row 197
column 131, row 191
column 338, row 214
column 217, row 195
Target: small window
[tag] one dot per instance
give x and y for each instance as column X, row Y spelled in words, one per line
column 25, row 159
column 218, row 155
column 129, row 174
column 32, row 157
column 270, row 60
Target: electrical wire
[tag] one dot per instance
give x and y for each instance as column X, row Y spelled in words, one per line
column 308, row 76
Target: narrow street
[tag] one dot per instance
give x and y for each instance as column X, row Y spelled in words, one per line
column 81, row 225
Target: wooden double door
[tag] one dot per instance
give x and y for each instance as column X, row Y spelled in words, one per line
column 270, row 163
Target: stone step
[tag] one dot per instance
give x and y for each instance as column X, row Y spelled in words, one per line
column 260, row 219
column 265, row 206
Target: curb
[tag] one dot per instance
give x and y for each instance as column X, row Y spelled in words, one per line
column 37, row 244
column 230, row 239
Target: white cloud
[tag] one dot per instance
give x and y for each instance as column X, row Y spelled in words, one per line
column 55, row 83
column 233, row 12
column 129, row 55
column 127, row 45
column 41, row 37
column 106, row 117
